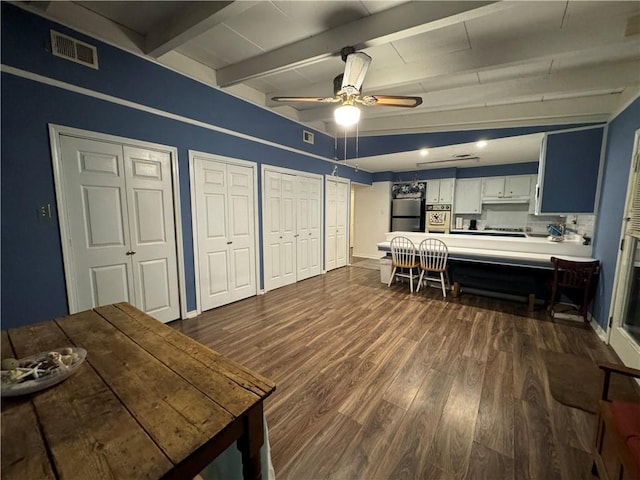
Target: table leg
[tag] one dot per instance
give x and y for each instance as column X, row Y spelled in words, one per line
column 251, row 442
column 456, row 289
column 532, row 301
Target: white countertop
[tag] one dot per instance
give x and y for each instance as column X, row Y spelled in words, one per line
column 498, row 249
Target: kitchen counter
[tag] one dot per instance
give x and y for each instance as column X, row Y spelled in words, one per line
column 507, row 250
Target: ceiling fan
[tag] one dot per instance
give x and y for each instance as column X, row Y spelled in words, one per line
column 346, row 88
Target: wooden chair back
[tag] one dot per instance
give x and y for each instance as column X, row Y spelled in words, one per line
column 403, row 253
column 433, row 255
column 568, row 274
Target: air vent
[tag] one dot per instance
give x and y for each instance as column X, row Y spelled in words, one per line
column 74, row 50
column 307, row 137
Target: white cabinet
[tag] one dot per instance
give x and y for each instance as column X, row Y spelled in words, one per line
column 508, row 189
column 440, row 191
column 467, row 197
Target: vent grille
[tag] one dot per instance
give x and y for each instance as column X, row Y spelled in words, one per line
column 307, row 136
column 66, row 47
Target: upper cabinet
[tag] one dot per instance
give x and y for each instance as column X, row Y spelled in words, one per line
column 510, row 189
column 467, row 197
column 568, row 176
column 440, row 191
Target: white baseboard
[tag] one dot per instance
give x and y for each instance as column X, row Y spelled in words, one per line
column 602, row 334
column 191, row 314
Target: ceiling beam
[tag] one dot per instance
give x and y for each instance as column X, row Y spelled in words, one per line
column 572, row 110
column 195, row 19
column 581, row 81
column 406, row 20
column 540, row 46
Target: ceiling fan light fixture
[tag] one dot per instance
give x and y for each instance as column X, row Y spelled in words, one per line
column 347, row 115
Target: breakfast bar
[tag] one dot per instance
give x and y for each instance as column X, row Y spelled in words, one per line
column 501, row 264
column 148, row 402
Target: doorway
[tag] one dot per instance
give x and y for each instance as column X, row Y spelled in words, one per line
column 625, row 329
column 117, row 200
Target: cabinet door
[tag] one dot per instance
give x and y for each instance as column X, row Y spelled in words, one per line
column 433, row 191
column 517, row 186
column 446, row 190
column 569, row 171
column 467, row 198
column 493, row 187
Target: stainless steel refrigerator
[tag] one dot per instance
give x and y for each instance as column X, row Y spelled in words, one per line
column 407, row 215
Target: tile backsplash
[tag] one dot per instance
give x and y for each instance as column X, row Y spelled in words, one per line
column 517, row 215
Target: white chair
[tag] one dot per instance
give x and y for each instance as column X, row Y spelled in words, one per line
column 403, row 255
column 433, row 254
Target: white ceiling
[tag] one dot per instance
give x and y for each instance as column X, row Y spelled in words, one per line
column 475, row 64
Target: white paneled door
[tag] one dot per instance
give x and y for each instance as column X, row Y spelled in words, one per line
column 336, row 222
column 118, row 200
column 224, row 199
column 308, row 226
column 280, row 264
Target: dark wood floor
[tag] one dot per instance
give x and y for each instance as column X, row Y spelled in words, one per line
column 374, row 382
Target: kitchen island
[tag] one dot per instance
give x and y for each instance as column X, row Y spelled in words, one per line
column 507, row 265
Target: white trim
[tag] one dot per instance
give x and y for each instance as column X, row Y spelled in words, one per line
column 191, row 314
column 619, row 260
column 194, row 227
column 65, row 237
column 155, row 111
column 290, row 171
column 599, row 331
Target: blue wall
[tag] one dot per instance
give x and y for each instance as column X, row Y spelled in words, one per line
column 33, row 287
column 528, row 168
column 617, row 165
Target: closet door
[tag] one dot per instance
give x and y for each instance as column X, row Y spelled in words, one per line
column 331, row 226
column 314, row 214
column 279, row 229
column 225, row 227
column 117, row 200
column 336, row 222
column 342, row 221
column 241, row 217
column 303, row 235
column 152, row 230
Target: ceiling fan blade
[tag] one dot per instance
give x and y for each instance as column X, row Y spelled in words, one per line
column 390, row 101
column 355, row 69
column 306, row 99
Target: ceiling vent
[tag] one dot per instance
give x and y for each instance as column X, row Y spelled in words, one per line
column 74, row 50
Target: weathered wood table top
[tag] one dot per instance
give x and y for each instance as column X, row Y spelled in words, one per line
column 148, row 402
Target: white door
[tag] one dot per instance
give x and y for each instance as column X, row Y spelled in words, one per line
column 336, row 222
column 279, row 229
column 625, row 330
column 342, row 222
column 308, row 208
column 331, row 226
column 315, row 226
column 224, row 223
column 303, row 234
column 118, row 201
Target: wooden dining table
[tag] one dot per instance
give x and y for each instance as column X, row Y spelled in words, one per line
column 147, row 403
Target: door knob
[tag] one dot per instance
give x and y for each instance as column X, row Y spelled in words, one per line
column 131, row 252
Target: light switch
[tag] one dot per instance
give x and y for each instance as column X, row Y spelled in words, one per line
column 44, row 212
